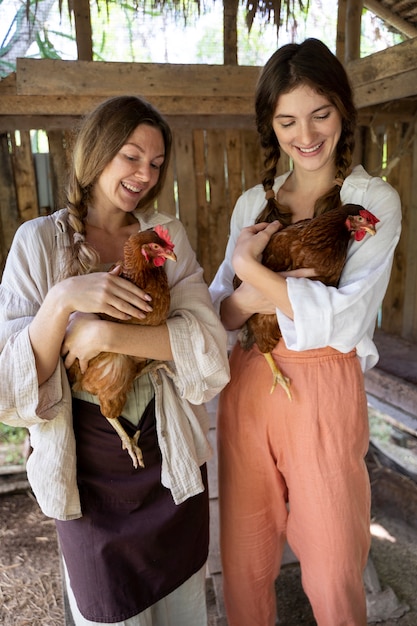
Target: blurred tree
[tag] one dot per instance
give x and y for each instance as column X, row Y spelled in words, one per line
column 268, row 10
column 27, row 26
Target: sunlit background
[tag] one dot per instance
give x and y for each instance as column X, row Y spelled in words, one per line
column 122, row 32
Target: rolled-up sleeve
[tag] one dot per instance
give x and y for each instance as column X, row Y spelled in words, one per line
column 198, row 339
column 344, row 317
column 22, row 402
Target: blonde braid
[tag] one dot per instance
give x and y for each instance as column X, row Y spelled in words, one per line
column 84, row 259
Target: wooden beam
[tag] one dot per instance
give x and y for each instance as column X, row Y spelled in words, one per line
column 384, row 64
column 184, row 121
column 72, row 88
column 92, row 78
column 387, row 90
column 390, row 113
column 175, row 107
column 385, row 14
column 52, row 89
column 390, row 74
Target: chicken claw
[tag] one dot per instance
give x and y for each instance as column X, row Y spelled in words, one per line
column 278, row 375
column 129, row 443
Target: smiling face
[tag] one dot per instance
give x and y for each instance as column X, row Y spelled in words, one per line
column 308, row 128
column 133, row 172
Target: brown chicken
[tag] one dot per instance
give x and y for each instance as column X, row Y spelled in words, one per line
column 110, row 376
column 320, row 243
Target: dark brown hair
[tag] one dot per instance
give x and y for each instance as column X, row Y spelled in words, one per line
column 309, row 63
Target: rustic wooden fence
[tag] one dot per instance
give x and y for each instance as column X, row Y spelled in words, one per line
column 209, row 169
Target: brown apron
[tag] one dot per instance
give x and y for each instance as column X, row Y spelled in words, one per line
column 133, row 545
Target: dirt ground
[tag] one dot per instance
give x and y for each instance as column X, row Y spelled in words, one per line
column 30, row 579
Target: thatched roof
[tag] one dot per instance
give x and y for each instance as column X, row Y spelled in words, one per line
column 400, row 15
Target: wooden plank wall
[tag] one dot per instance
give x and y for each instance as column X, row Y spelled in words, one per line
column 389, row 148
column 210, row 168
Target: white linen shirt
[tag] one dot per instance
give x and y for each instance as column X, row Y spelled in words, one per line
column 198, row 371
column 344, row 317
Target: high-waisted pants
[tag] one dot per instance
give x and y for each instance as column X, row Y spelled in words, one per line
column 294, row 470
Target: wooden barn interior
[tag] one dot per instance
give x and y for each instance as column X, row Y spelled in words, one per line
column 216, row 155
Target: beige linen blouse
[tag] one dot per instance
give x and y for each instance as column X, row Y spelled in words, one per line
column 197, row 373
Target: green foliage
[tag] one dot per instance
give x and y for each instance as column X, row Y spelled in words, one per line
column 170, row 31
column 9, row 434
column 12, row 449
column 46, row 48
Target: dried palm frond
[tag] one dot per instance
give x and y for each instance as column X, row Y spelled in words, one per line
column 267, row 10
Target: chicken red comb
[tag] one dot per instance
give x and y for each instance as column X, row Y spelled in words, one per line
column 368, row 216
column 164, row 234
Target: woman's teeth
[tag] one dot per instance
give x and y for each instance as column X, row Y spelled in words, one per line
column 307, row 150
column 131, row 188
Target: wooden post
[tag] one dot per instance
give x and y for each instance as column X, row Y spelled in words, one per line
column 9, row 214
column 341, row 30
column 24, row 172
column 353, row 29
column 410, row 287
column 83, row 32
column 230, row 8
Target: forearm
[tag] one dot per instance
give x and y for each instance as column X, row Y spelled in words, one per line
column 148, row 342
column 263, row 292
column 246, row 262
column 46, row 333
column 233, row 312
column 274, row 287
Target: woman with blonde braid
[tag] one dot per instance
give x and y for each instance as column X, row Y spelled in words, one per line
column 134, row 541
column 295, row 469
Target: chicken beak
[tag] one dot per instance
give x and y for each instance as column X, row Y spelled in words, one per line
column 170, row 254
column 370, row 229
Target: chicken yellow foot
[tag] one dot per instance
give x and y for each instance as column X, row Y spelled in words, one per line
column 129, row 443
column 278, row 376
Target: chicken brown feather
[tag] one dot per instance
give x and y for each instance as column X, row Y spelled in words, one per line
column 109, row 375
column 320, row 243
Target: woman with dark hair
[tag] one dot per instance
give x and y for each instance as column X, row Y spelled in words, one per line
column 294, row 469
column 134, row 541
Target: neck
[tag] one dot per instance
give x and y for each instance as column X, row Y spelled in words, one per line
column 109, row 222
column 313, row 184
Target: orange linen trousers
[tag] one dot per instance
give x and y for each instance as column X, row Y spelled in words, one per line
column 294, row 470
